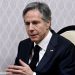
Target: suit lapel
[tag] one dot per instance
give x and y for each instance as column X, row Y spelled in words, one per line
column 29, row 49
column 49, row 52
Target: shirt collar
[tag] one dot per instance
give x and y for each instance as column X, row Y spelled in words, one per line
column 44, row 43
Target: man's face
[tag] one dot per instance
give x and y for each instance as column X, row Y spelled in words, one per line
column 36, row 27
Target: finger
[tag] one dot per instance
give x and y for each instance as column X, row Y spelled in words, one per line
column 13, row 71
column 15, row 67
column 23, row 63
column 9, row 73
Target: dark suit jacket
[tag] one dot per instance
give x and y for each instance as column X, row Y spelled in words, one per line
column 59, row 58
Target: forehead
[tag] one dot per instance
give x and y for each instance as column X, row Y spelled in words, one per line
column 33, row 14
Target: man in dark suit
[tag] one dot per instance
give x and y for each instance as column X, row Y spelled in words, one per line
column 56, row 54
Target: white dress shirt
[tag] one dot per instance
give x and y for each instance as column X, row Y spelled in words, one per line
column 43, row 44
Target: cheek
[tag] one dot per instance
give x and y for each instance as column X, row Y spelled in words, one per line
column 42, row 30
column 41, row 33
column 27, row 31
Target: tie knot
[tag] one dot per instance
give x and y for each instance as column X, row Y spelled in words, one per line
column 36, row 49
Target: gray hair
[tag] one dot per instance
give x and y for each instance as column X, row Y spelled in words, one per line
column 41, row 7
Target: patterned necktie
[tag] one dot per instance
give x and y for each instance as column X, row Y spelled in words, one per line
column 35, row 57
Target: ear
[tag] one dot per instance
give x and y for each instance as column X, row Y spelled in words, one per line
column 48, row 24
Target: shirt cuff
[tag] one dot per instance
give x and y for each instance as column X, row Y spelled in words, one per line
column 34, row 73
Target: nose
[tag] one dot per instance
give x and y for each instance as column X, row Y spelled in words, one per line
column 31, row 27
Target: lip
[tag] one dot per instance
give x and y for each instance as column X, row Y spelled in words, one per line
column 33, row 36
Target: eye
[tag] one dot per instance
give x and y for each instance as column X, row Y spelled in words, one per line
column 27, row 23
column 35, row 22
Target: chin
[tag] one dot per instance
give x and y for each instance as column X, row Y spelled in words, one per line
column 34, row 40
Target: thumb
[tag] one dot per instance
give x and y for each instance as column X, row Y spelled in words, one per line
column 23, row 63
